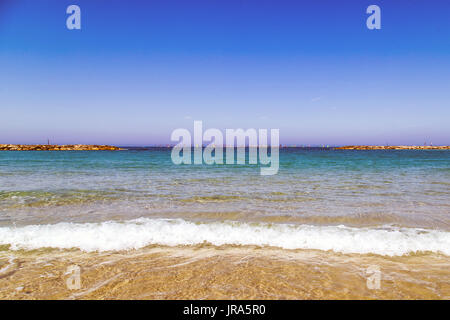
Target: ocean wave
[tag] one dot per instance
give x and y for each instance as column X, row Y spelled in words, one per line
column 138, row 233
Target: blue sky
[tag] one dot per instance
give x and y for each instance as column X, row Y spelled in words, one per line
column 137, row 70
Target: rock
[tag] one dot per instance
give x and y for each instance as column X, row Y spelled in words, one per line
column 44, row 147
column 393, row 148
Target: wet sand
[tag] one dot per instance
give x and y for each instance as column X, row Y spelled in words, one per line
column 227, row 272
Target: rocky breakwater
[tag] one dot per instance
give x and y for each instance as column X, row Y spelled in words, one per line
column 393, row 148
column 48, row 147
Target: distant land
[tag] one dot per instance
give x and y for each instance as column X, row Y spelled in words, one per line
column 393, row 148
column 85, row 147
column 49, row 147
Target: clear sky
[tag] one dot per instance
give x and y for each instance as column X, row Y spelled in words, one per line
column 137, row 70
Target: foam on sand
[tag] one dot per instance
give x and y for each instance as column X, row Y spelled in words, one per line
column 138, row 233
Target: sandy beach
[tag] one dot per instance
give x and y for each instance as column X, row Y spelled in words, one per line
column 224, row 150
column 329, row 225
column 227, row 272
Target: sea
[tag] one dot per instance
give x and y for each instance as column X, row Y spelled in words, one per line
column 381, row 202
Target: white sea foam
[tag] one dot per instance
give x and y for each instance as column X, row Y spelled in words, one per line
column 138, row 233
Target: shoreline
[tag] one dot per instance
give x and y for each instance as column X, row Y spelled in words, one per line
column 226, row 272
column 49, row 147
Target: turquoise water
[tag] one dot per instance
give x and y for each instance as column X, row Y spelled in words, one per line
column 356, row 189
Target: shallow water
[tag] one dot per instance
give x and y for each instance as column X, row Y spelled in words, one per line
column 141, row 227
column 226, row 272
column 402, row 196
